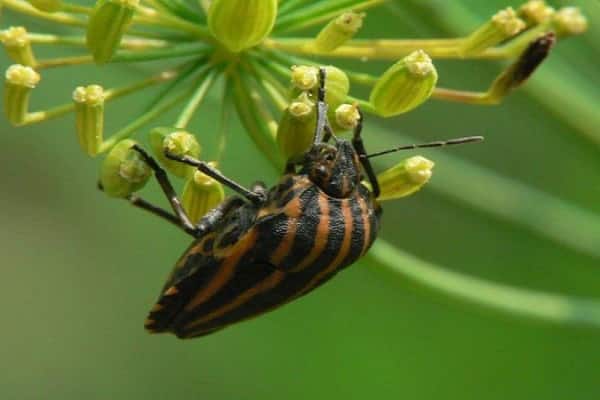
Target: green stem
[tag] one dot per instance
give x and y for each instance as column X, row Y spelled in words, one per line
column 225, row 117
column 155, row 112
column 553, row 308
column 253, row 115
column 182, row 50
column 130, row 43
column 76, row 9
column 320, row 12
column 276, row 91
column 206, row 81
column 152, row 17
column 60, row 17
column 290, row 5
column 110, row 94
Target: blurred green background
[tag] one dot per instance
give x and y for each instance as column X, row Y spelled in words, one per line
column 80, row 271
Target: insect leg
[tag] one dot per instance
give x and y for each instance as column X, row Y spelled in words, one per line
column 255, row 197
column 359, row 146
column 139, row 202
column 165, row 184
column 208, row 221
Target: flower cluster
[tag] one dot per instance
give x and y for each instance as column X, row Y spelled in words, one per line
column 244, row 48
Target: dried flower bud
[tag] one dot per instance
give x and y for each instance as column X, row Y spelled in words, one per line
column 296, row 130
column 347, row 116
column 518, row 72
column 47, row 5
column 107, row 25
column 89, row 117
column 405, row 178
column 123, row 171
column 405, row 85
column 535, row 12
column 201, row 194
column 20, row 81
column 338, row 31
column 569, row 21
column 17, row 45
column 503, row 25
column 176, row 141
column 241, row 24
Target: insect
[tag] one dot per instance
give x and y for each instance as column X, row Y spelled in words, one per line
column 266, row 247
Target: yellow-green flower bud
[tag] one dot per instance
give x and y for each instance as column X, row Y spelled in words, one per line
column 569, row 21
column 107, row 25
column 89, row 117
column 503, row 25
column 405, row 85
column 201, row 194
column 337, row 85
column 347, row 116
column 17, row 45
column 338, row 31
column 47, row 5
column 176, row 141
column 535, row 12
column 241, row 24
column 305, row 77
column 296, row 130
column 20, row 81
column 405, row 178
column 123, row 171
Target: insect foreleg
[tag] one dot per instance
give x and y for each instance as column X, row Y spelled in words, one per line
column 165, row 184
column 255, row 197
column 357, row 142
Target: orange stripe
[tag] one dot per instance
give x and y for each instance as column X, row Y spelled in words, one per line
column 342, row 253
column 226, row 270
column 364, row 213
column 273, row 280
column 320, row 237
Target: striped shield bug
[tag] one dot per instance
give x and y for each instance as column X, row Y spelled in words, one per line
column 266, row 247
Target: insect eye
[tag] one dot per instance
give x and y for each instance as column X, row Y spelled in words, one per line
column 328, row 154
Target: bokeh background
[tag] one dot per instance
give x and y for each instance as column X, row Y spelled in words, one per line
column 80, row 271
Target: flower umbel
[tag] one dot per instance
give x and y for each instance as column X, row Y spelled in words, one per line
column 245, row 52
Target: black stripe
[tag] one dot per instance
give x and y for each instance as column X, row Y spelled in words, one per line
column 195, row 274
column 358, row 233
column 246, row 275
column 306, row 229
column 293, row 283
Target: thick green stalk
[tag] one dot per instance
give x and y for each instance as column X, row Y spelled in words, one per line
column 545, row 215
column 548, row 307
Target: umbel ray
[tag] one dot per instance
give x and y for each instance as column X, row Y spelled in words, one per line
column 265, row 247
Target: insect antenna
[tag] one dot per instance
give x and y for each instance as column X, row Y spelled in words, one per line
column 437, row 143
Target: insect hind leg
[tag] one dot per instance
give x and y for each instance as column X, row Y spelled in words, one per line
column 165, row 184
